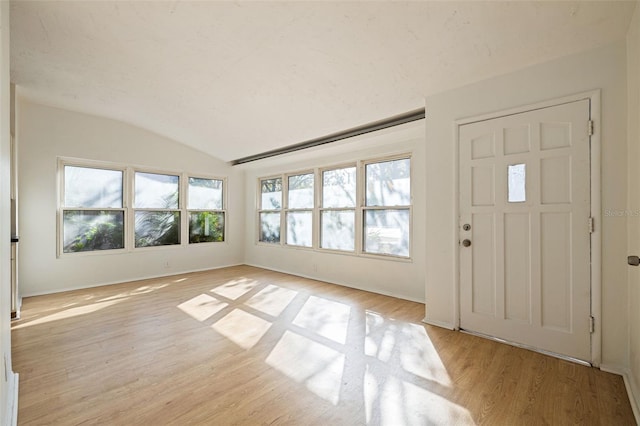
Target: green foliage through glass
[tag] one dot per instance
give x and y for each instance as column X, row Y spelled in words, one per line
column 157, row 228
column 206, row 227
column 92, row 230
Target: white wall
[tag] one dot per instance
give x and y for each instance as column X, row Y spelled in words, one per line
column 7, row 378
column 398, row 278
column 44, row 134
column 603, row 68
column 633, row 126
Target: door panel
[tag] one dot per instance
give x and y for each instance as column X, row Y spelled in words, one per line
column 517, row 266
column 525, row 191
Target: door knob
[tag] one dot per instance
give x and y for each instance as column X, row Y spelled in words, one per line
column 466, row 243
column 633, row 260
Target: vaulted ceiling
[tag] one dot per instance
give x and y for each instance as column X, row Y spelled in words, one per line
column 238, row 78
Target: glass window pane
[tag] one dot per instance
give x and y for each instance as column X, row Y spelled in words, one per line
column 339, row 187
column 338, row 230
column 299, row 228
column 206, row 227
column 92, row 230
column 205, row 194
column 271, row 190
column 301, row 191
column 387, row 232
column 270, row 227
column 156, row 191
column 517, row 183
column 389, row 183
column 157, row 228
column 89, row 187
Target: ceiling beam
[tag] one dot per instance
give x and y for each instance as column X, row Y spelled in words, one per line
column 396, row 120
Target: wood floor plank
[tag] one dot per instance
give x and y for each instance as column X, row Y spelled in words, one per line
column 247, row 346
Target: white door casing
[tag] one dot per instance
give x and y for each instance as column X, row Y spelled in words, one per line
column 525, row 192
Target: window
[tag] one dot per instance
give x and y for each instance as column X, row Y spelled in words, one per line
column 362, row 208
column 93, row 216
column 205, row 209
column 337, row 215
column 156, row 209
column 270, row 207
column 109, row 207
column 387, row 212
column 516, row 181
column 300, row 196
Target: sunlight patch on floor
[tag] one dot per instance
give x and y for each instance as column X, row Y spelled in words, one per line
column 370, row 393
column 202, row 307
column 391, row 401
column 428, row 408
column 380, row 339
column 320, row 368
column 272, row 300
column 148, row 288
column 68, row 313
column 418, row 355
column 325, row 317
column 140, row 290
column 235, row 288
column 242, row 328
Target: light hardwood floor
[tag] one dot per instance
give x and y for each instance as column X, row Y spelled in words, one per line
column 247, row 346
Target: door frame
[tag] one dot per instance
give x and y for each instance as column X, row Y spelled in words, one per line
column 596, row 202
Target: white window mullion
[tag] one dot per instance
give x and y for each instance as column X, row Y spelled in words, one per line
column 359, row 233
column 284, row 210
column 316, row 208
column 184, row 214
column 128, row 202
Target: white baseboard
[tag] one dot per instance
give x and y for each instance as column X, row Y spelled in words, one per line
column 629, row 383
column 442, row 324
column 61, row 290
column 12, row 400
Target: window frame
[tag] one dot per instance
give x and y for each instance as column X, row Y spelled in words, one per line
column 128, row 195
column 187, row 210
column 359, row 210
column 260, row 210
column 133, row 209
column 365, row 208
column 286, row 209
column 61, row 208
column 354, row 209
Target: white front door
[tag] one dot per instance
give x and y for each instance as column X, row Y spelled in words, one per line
column 525, row 229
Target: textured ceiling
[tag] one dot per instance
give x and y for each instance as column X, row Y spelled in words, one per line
column 238, row 78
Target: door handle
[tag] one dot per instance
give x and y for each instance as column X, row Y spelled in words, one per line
column 466, row 243
column 633, row 260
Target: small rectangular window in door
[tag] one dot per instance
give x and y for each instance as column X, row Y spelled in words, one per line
column 517, row 177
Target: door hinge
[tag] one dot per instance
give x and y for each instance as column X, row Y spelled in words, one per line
column 592, row 324
column 591, row 130
column 592, row 225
